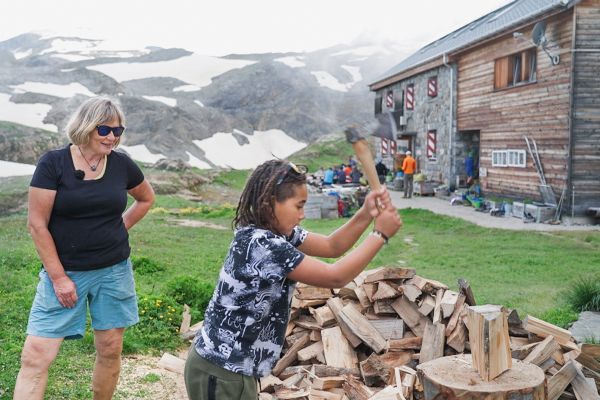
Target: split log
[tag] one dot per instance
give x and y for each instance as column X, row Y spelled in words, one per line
column 389, row 328
column 410, row 315
column 465, row 289
column 437, row 310
column 323, row 315
column 583, row 388
column 433, row 342
column 458, row 337
column 543, row 351
column 385, row 291
column 426, row 305
column 356, row 390
column 361, row 327
column 172, row 363
column 411, row 292
column 311, row 351
column 545, row 329
column 338, row 352
column 291, row 355
column 454, row 378
column 448, row 303
column 316, row 394
column 390, row 273
column 336, row 306
column 459, row 309
column 186, row 319
column 488, row 337
column 559, row 382
column 411, row 343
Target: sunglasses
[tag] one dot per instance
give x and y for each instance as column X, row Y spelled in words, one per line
column 104, row 130
column 298, row 169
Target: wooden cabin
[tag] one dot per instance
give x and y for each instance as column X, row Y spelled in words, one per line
column 530, row 69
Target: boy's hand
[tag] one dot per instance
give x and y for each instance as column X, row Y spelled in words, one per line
column 377, row 201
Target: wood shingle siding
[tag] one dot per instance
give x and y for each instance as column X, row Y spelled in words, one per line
column 503, row 116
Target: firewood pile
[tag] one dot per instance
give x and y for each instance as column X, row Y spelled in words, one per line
column 366, row 340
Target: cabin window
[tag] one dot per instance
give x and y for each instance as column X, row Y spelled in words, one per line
column 508, row 158
column 516, row 69
column 378, row 100
column 432, row 86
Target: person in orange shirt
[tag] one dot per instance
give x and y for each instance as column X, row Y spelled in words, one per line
column 409, row 165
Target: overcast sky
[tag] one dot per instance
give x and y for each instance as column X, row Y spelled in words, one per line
column 220, row 27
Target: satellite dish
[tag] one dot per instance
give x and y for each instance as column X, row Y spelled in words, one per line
column 538, row 32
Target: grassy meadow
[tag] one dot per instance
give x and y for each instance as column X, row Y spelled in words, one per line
column 178, row 249
column 175, row 264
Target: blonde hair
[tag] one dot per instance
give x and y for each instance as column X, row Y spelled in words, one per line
column 93, row 112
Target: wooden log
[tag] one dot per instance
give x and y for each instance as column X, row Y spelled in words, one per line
column 426, row 305
column 433, row 342
column 288, row 394
column 583, row 388
column 559, row 382
column 186, row 319
column 312, row 293
column 411, row 291
column 291, row 354
column 172, row 363
column 489, row 340
column 356, row 390
column 448, row 303
column 362, row 328
column 316, row 394
column 311, row 351
column 347, row 292
column 362, row 297
column 328, row 382
column 338, row 352
column 437, row 310
column 268, row 383
column 543, row 351
column 387, row 393
column 411, row 343
column 465, row 289
column 336, row 305
column 427, row 285
column 389, row 328
column 453, row 377
column 369, row 289
column 384, row 307
column 458, row 337
column 390, row 273
column 410, row 315
column 323, row 315
column 385, row 291
column 545, row 329
column 459, row 308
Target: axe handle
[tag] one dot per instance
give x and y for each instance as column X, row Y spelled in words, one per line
column 363, row 153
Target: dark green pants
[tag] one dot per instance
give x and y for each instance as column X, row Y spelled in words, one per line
column 206, row 381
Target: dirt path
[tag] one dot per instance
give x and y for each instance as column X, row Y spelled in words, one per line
column 440, row 206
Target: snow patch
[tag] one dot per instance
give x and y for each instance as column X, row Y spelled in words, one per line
column 327, row 80
column 194, row 69
column 196, row 162
column 292, row 61
column 166, row 100
column 52, row 89
column 199, row 103
column 72, row 57
column 9, row 168
column 69, row 46
column 22, row 54
column 186, row 88
column 354, row 72
column 140, row 152
column 25, row 114
column 223, row 149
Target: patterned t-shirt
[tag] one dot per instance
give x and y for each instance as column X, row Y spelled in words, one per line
column 245, row 321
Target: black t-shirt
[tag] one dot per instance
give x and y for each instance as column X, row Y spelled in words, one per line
column 86, row 221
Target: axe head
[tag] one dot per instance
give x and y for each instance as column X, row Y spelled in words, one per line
column 383, row 127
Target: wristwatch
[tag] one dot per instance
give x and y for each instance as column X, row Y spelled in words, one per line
column 380, row 234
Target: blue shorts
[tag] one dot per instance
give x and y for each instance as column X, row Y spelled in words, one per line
column 109, row 292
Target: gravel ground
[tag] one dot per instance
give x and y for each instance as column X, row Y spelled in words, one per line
column 441, row 206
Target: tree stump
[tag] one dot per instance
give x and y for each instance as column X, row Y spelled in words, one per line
column 455, row 378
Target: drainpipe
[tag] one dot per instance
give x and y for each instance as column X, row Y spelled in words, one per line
column 569, row 184
column 450, row 150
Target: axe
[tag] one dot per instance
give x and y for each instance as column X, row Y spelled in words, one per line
column 385, row 128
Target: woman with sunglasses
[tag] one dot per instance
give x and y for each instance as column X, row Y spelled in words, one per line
column 245, row 321
column 79, row 225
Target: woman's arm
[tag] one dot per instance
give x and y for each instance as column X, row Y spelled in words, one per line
column 41, row 202
column 144, row 198
column 342, row 239
column 318, row 273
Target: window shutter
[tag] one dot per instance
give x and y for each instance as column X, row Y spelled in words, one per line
column 378, row 100
column 399, row 103
column 410, row 97
column 432, row 86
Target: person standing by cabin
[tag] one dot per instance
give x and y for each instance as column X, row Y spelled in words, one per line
column 382, row 170
column 409, row 165
column 245, row 322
